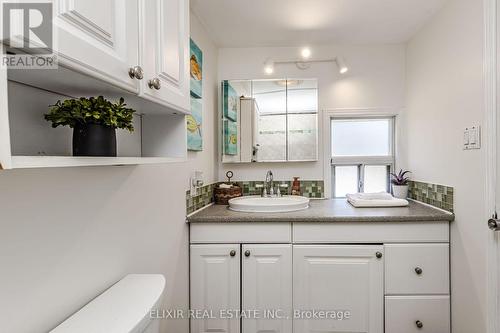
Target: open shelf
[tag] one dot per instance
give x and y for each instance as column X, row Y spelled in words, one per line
column 22, row 162
column 31, row 142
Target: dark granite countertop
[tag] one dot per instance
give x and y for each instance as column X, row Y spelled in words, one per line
column 328, row 210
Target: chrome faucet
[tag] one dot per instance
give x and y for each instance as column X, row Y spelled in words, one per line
column 268, row 187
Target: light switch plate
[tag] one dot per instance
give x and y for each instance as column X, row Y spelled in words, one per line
column 472, row 138
column 195, row 182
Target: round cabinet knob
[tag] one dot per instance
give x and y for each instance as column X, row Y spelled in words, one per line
column 494, row 224
column 247, row 253
column 232, row 253
column 419, row 324
column 136, row 72
column 154, row 83
column 378, row 255
column 418, row 270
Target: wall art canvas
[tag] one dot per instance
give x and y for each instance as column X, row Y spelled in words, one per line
column 231, row 99
column 196, row 69
column 230, row 137
column 194, row 122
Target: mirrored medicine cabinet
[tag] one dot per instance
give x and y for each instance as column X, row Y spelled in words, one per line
column 269, row 120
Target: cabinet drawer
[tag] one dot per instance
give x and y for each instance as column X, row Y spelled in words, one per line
column 232, row 232
column 417, row 314
column 416, row 269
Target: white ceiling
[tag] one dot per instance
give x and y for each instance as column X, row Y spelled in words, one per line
column 247, row 23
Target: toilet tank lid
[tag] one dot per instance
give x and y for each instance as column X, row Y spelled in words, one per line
column 123, row 308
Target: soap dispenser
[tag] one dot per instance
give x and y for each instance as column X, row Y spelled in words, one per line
column 296, row 186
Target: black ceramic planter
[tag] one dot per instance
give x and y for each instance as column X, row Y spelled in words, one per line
column 94, row 140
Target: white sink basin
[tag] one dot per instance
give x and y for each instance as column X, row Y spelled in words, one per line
column 257, row 204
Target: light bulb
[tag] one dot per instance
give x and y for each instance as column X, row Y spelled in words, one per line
column 306, row 53
column 269, row 67
column 268, row 70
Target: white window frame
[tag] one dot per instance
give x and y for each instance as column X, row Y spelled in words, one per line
column 365, row 113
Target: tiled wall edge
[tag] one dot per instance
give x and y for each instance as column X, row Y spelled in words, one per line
column 440, row 196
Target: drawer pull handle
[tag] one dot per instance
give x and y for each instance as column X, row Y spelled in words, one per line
column 418, row 270
column 419, row 324
column 232, row 253
column 247, row 253
column 378, row 255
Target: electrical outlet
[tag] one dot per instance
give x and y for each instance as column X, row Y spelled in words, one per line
column 472, row 138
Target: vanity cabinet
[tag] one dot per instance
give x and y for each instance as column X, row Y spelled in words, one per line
column 346, row 279
column 266, row 287
column 215, row 286
column 370, row 277
column 417, row 314
column 417, row 288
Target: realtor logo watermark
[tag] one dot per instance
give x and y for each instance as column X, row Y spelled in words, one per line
column 28, row 31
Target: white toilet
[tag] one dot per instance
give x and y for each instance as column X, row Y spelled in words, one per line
column 123, row 308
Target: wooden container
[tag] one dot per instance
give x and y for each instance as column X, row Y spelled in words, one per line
column 223, row 195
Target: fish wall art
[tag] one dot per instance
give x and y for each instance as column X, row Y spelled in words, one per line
column 194, row 121
column 196, row 70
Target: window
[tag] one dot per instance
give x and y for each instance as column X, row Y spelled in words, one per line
column 362, row 154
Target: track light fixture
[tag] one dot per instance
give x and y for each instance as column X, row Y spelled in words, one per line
column 304, row 63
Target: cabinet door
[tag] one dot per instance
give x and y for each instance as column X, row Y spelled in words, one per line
column 267, row 288
column 346, row 280
column 215, row 287
column 5, row 157
column 99, row 38
column 164, row 40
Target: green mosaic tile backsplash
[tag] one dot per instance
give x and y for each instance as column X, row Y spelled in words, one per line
column 439, row 196
column 205, row 197
column 308, row 188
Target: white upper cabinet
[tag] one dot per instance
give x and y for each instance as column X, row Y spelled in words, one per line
column 140, row 46
column 164, row 52
column 99, row 38
column 347, row 280
column 135, row 49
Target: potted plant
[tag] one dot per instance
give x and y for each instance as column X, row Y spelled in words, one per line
column 94, row 121
column 400, row 184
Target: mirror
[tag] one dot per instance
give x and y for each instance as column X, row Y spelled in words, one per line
column 269, row 120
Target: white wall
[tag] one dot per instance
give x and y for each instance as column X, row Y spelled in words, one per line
column 445, row 95
column 376, row 80
column 67, row 234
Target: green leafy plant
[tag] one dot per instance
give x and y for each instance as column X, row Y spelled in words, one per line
column 93, row 110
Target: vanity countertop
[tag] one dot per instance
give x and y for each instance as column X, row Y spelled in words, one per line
column 327, row 210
